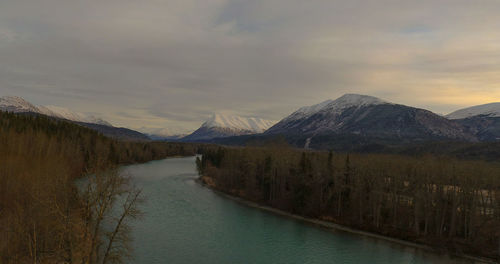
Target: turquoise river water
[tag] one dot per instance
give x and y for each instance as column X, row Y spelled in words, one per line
column 185, row 222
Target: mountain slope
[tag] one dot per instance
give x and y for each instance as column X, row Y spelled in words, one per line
column 161, row 134
column 17, row 104
column 485, row 128
column 366, row 117
column 256, row 125
column 489, row 110
column 119, row 133
column 219, row 125
column 68, row 114
column 338, row 105
column 323, row 116
column 483, row 121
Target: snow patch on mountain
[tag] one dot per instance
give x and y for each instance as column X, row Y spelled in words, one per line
column 66, row 113
column 337, row 105
column 252, row 124
column 220, row 125
column 490, row 110
column 17, row 104
column 356, row 116
column 161, row 133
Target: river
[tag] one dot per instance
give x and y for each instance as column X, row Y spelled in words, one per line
column 185, row 222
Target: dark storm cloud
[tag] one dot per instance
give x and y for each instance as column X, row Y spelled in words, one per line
column 171, row 63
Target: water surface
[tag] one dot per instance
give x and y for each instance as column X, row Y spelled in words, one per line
column 188, row 223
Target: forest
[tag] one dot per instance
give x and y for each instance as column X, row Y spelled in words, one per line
column 450, row 204
column 44, row 216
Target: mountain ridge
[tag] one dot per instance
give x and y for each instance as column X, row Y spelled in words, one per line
column 16, row 104
column 489, row 110
column 369, row 119
column 345, row 101
column 219, row 125
column 253, row 124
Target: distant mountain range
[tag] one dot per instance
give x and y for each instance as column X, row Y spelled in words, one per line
column 19, row 105
column 351, row 121
column 220, row 126
column 362, row 122
column 161, row 134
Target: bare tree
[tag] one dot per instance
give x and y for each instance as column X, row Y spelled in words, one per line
column 105, row 193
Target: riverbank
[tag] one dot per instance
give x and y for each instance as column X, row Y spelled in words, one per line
column 336, row 227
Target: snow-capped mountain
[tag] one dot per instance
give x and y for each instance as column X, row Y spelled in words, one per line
column 219, row 125
column 156, row 133
column 335, row 106
column 253, row 124
column 482, row 121
column 19, row 105
column 66, row 113
column 489, row 110
column 366, row 116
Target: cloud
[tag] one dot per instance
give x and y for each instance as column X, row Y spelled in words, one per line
column 156, row 63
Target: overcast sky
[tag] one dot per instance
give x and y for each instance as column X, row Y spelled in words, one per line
column 171, row 63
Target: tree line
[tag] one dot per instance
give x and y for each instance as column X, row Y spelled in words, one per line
column 440, row 201
column 45, row 217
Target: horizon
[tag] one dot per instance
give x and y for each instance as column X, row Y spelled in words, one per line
column 157, row 130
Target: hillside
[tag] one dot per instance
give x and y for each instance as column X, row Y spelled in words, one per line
column 16, row 104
